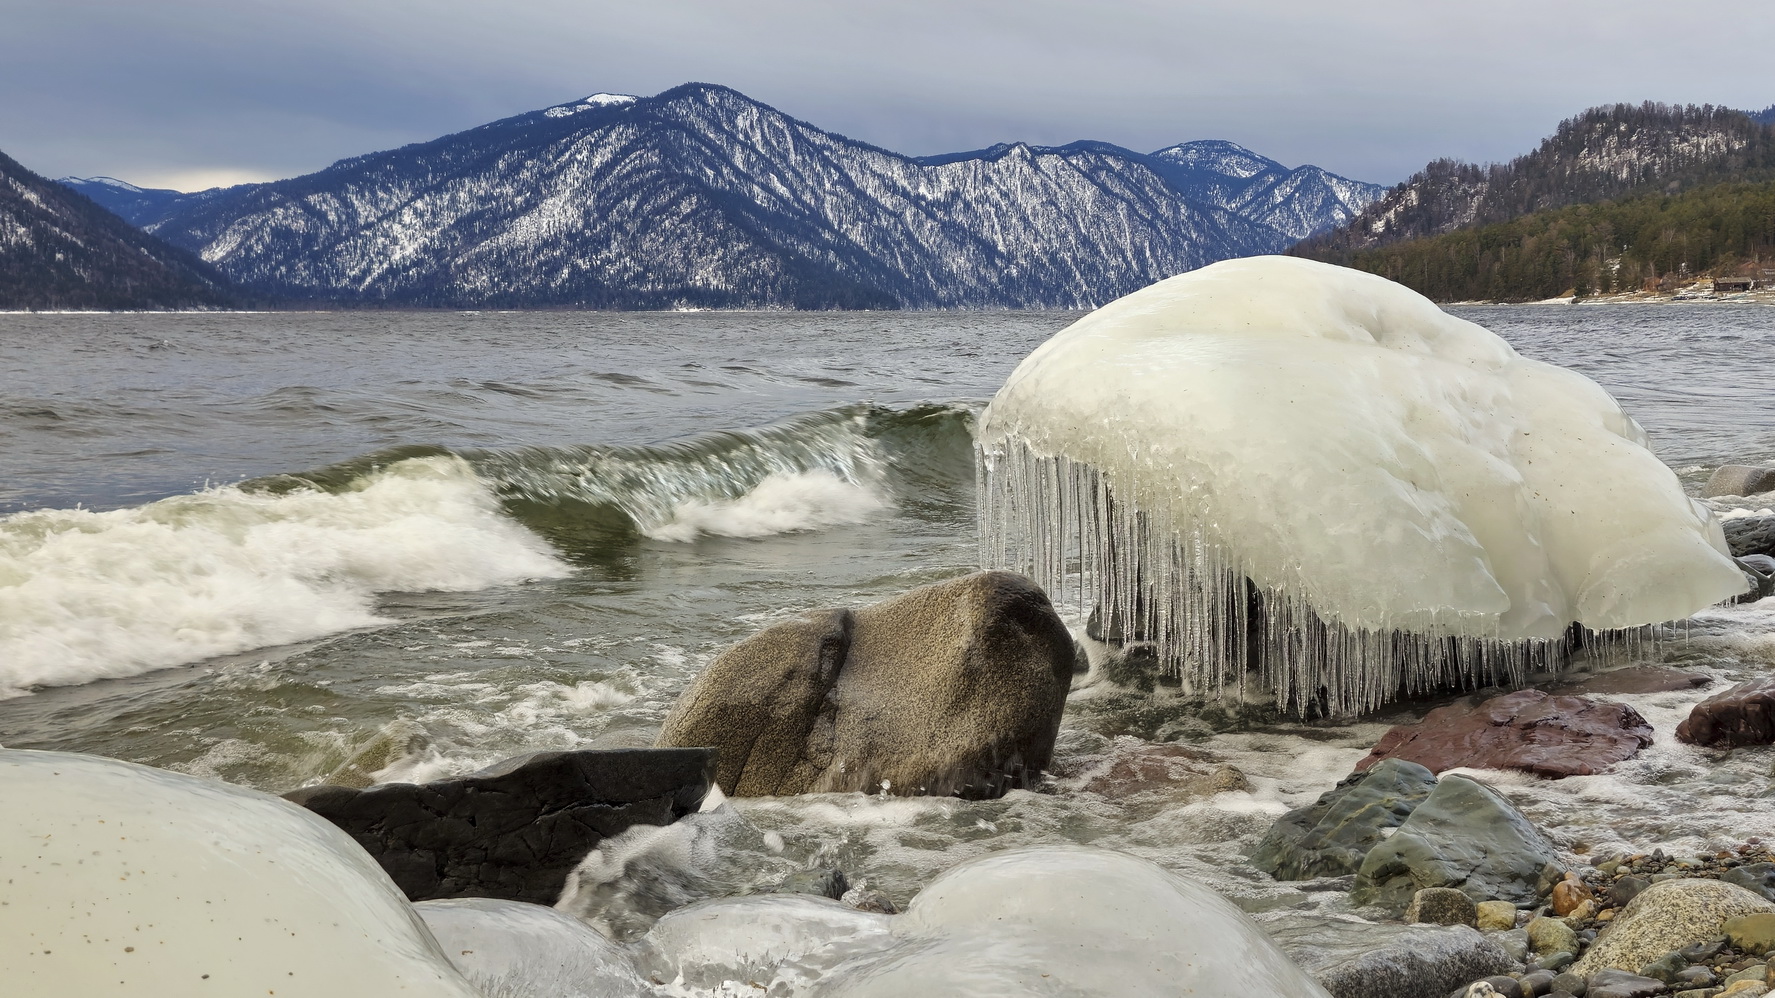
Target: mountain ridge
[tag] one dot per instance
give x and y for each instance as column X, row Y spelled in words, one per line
column 703, row 196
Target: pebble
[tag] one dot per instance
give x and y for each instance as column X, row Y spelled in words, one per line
column 1551, row 935
column 1570, row 983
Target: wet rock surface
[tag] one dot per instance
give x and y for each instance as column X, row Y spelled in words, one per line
column 514, row 830
column 953, row 688
column 1631, row 680
column 1330, row 837
column 1465, row 835
column 1353, row 959
column 1742, row 715
column 1552, row 736
column 1739, row 480
column 1748, row 535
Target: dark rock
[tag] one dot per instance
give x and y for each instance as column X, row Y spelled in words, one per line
column 1441, row 906
column 1556, row 961
column 1742, row 715
column 825, row 883
column 1747, row 535
column 1694, row 977
column 1380, row 960
column 1626, row 889
column 1571, row 984
column 953, row 688
column 1464, row 835
column 514, row 830
column 1703, row 952
column 1621, row 984
column 1538, row 982
column 1330, row 837
column 1665, row 968
column 1759, row 578
column 1505, row 986
column 1759, row 877
column 1550, row 736
column 1739, row 480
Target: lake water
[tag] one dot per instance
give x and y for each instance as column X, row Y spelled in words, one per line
column 280, row 549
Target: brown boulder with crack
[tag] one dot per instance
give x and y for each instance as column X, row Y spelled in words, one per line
column 953, row 688
column 1551, row 736
column 1742, row 715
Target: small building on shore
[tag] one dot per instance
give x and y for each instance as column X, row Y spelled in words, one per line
column 1732, row 285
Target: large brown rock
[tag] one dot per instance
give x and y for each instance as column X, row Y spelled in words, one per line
column 1550, row 736
column 1742, row 715
column 953, row 688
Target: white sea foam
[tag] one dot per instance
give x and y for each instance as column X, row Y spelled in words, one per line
column 782, row 503
column 88, row 595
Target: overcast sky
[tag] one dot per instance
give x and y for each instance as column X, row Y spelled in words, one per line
column 191, row 93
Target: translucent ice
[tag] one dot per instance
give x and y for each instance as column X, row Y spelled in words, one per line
column 1411, row 499
column 511, row 949
column 788, row 940
column 124, row 880
column 1082, row 923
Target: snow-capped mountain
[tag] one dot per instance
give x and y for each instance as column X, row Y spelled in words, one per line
column 1603, row 153
column 60, row 250
column 703, row 196
column 141, row 206
column 1298, row 202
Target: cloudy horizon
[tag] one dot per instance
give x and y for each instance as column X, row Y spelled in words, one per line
column 193, row 93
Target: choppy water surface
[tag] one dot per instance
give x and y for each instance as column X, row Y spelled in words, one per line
column 285, row 548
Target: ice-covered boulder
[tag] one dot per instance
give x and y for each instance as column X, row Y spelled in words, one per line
column 130, row 881
column 514, row 949
column 1083, row 923
column 1413, row 499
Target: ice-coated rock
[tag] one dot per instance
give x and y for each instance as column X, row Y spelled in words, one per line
column 1081, row 923
column 789, row 941
column 951, row 688
column 129, row 881
column 1356, row 959
column 1667, row 916
column 1370, row 462
column 1464, row 835
column 1330, row 837
column 514, row 949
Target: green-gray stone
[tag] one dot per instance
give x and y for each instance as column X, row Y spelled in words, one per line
column 1551, row 935
column 1329, row 837
column 1751, row 933
column 1464, row 835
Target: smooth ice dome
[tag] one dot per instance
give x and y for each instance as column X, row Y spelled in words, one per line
column 513, row 949
column 1075, row 922
column 130, row 881
column 1352, row 449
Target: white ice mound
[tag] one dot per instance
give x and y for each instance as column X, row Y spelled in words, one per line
column 1083, row 923
column 1365, row 458
column 129, row 881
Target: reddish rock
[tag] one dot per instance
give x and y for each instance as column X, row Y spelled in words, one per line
column 1635, row 679
column 1569, row 894
column 1134, row 767
column 1550, row 736
column 1742, row 715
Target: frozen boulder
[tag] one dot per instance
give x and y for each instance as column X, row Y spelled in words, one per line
column 788, row 941
column 512, row 949
column 1330, row 837
column 952, row 688
column 1416, row 501
column 129, row 881
column 1551, row 736
column 1080, row 923
column 513, row 830
column 1465, row 835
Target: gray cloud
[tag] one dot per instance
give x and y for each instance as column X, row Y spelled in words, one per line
column 181, row 92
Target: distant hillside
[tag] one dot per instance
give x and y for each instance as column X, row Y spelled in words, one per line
column 59, row 250
column 1297, row 203
column 139, row 206
column 1766, row 115
column 702, row 196
column 1606, row 152
column 1607, row 247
